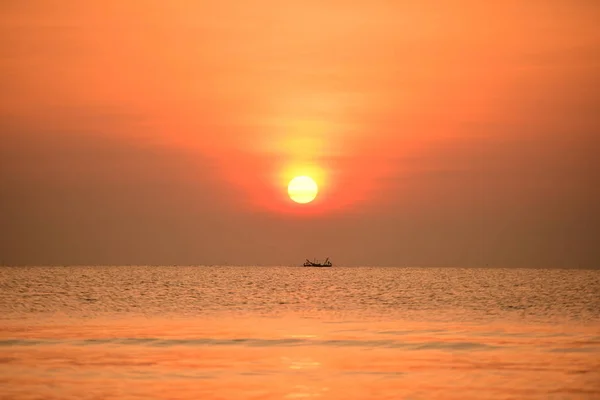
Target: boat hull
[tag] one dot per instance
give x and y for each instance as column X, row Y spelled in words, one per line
column 316, row 263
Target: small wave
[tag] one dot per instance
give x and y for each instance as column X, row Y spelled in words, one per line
column 251, row 342
column 575, row 350
column 27, row 342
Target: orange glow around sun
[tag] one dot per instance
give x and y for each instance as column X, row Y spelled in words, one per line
column 355, row 96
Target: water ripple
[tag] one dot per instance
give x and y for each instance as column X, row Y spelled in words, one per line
column 251, row 342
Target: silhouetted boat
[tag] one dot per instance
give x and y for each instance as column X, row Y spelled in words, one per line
column 316, row 263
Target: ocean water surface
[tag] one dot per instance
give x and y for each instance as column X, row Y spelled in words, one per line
column 296, row 333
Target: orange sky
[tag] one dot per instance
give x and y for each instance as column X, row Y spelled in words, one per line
column 463, row 127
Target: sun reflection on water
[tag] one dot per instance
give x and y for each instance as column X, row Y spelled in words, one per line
column 303, row 391
column 304, row 363
column 304, row 366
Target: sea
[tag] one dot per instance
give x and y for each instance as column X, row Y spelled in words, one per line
column 224, row 332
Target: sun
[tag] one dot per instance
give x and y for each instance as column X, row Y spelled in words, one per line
column 303, row 189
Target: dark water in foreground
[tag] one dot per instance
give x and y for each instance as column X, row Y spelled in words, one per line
column 290, row 332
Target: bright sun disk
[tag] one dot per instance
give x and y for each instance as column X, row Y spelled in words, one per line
column 302, row 189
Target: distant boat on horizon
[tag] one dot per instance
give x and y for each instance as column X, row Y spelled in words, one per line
column 316, row 263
